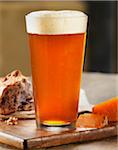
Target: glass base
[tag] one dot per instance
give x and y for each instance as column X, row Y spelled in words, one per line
column 55, row 123
column 57, row 126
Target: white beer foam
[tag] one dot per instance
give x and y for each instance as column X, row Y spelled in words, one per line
column 56, row 22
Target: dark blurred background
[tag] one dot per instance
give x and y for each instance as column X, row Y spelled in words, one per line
column 101, row 53
column 101, row 47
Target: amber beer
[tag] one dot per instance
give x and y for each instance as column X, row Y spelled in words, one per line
column 57, row 42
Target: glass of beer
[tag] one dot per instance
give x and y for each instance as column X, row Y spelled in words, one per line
column 57, row 43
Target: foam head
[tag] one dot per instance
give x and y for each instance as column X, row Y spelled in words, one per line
column 56, row 22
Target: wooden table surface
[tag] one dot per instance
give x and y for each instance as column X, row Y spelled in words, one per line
column 98, row 87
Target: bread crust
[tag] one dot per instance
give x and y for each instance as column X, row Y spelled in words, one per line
column 15, row 93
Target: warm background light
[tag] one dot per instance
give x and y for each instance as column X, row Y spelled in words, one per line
column 101, row 51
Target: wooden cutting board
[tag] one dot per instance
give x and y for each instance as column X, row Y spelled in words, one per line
column 25, row 135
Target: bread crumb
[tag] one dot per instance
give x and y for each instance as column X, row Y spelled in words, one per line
column 11, row 121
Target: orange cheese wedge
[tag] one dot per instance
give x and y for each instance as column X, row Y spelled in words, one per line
column 90, row 120
column 108, row 108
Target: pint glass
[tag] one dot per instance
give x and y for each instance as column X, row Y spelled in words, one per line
column 57, row 42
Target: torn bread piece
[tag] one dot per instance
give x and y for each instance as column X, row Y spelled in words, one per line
column 15, row 93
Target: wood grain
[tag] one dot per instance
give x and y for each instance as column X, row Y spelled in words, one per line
column 26, row 135
column 98, row 87
column 20, row 115
column 72, row 137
